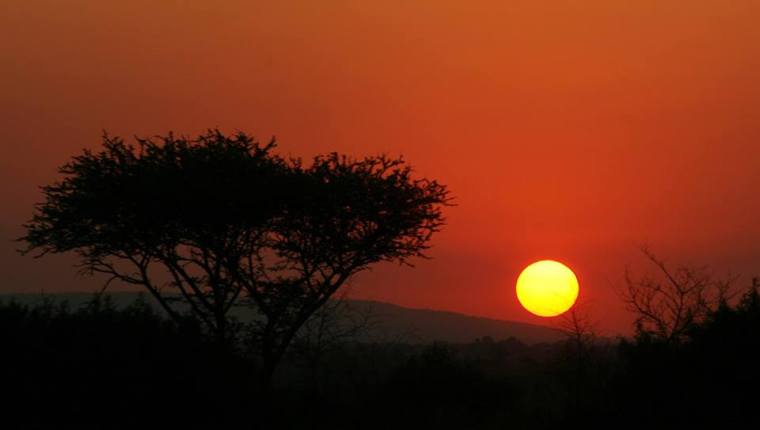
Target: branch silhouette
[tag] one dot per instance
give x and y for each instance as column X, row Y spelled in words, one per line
column 218, row 221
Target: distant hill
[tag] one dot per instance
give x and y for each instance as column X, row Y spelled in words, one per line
column 388, row 321
column 427, row 325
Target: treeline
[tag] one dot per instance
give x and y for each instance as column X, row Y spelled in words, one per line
column 102, row 366
column 99, row 366
column 708, row 378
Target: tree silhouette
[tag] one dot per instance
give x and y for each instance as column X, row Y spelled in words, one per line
column 579, row 330
column 346, row 216
column 337, row 323
column 667, row 307
column 165, row 214
column 711, row 372
column 219, row 218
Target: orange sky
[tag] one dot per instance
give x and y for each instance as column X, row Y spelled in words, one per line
column 571, row 130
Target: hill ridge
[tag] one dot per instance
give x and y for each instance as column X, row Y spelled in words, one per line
column 394, row 321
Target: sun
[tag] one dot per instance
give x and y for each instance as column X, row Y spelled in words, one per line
column 547, row 288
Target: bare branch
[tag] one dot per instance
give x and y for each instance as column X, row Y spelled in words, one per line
column 667, row 308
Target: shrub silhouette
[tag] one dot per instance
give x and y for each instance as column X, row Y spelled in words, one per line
column 710, row 378
column 99, row 366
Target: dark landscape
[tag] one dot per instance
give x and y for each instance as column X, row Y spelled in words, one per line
column 379, row 215
column 115, row 361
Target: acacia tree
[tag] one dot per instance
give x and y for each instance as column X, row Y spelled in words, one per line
column 348, row 215
column 165, row 214
column 220, row 218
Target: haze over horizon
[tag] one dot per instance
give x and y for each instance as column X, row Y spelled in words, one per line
column 574, row 131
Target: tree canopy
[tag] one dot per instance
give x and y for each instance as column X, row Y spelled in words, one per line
column 222, row 220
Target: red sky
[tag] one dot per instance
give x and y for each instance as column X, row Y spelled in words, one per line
column 572, row 130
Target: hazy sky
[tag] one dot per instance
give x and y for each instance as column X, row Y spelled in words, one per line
column 572, row 130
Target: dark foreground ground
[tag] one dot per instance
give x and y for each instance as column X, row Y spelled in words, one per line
column 99, row 366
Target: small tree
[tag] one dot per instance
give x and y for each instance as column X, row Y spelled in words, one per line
column 220, row 217
column 668, row 306
column 337, row 323
column 579, row 331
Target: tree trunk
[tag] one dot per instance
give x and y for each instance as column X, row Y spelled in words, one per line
column 220, row 332
column 264, row 399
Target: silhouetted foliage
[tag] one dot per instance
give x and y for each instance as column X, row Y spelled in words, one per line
column 107, row 366
column 102, row 367
column 218, row 221
column 336, row 323
column 578, row 356
column 668, row 306
column 346, row 216
column 220, row 217
column 435, row 389
column 710, row 377
column 169, row 212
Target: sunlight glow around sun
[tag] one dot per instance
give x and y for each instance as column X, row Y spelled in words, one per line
column 547, row 288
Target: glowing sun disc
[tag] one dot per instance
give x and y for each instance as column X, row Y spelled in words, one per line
column 547, row 288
